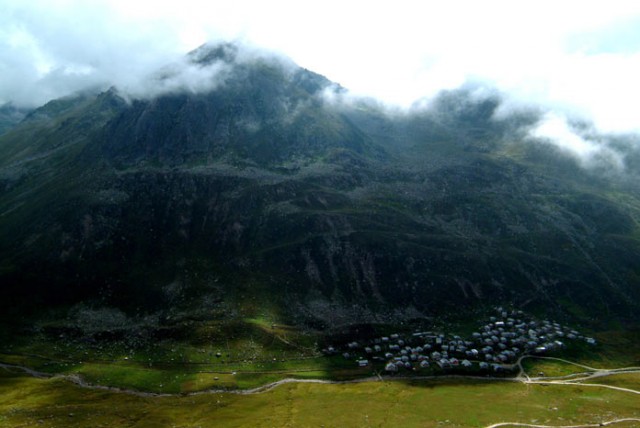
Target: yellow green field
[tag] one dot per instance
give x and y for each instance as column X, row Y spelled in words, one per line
column 27, row 401
column 185, row 374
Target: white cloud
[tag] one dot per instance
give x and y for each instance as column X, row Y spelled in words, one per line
column 181, row 76
column 561, row 55
column 555, row 129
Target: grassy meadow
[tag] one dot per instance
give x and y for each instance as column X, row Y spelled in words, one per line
column 193, row 374
column 27, row 401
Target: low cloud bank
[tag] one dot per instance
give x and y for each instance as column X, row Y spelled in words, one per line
column 589, row 151
column 579, row 67
column 181, row 76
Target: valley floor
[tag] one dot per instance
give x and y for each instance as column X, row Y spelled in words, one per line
column 584, row 397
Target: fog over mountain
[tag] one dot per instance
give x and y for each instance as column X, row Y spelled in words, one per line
column 577, row 60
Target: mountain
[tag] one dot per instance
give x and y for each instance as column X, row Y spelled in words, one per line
column 257, row 189
column 10, row 116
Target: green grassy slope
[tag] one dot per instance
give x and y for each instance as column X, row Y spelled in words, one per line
column 338, row 213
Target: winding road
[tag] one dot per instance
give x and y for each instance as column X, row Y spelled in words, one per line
column 522, row 377
column 571, row 379
column 601, row 424
column 575, row 378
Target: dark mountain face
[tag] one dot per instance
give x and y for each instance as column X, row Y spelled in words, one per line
column 264, row 112
column 261, row 190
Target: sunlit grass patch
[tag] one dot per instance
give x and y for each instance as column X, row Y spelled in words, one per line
column 535, row 367
column 622, row 380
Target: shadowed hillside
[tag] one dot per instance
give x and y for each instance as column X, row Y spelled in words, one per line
column 333, row 212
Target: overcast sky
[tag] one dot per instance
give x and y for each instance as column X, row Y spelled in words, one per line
column 572, row 57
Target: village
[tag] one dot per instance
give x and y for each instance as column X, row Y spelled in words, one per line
column 495, row 347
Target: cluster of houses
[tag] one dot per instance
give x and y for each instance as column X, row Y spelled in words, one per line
column 495, row 346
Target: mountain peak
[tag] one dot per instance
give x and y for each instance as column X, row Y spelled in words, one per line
column 209, row 53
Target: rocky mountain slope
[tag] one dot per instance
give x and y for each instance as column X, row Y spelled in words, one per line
column 10, row 116
column 262, row 189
